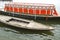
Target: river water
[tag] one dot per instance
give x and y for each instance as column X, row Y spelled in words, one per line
column 12, row 33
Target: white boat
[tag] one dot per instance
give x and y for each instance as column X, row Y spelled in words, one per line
column 23, row 23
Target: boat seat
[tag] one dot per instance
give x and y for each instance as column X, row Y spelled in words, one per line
column 12, row 19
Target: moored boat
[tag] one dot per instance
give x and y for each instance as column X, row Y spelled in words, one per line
column 23, row 23
column 32, row 10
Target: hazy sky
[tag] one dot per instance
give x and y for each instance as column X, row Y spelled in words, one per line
column 55, row 2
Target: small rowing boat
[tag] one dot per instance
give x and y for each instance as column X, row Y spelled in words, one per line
column 23, row 23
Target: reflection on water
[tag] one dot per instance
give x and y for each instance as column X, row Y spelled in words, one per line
column 12, row 33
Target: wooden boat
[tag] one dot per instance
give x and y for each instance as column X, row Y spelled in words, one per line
column 23, row 23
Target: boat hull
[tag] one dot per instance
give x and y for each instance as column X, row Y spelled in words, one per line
column 31, row 17
column 23, row 23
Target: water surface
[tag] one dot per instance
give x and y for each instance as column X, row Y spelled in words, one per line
column 12, row 33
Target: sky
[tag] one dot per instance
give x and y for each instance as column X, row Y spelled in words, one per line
column 55, row 2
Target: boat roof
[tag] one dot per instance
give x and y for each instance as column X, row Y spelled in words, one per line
column 31, row 4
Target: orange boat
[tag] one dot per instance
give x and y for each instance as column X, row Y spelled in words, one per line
column 32, row 9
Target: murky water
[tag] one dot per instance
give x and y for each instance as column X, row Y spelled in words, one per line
column 12, row 33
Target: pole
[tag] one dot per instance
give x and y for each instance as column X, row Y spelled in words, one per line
column 35, row 13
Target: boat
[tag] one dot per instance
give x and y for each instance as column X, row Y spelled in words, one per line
column 23, row 23
column 31, row 10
